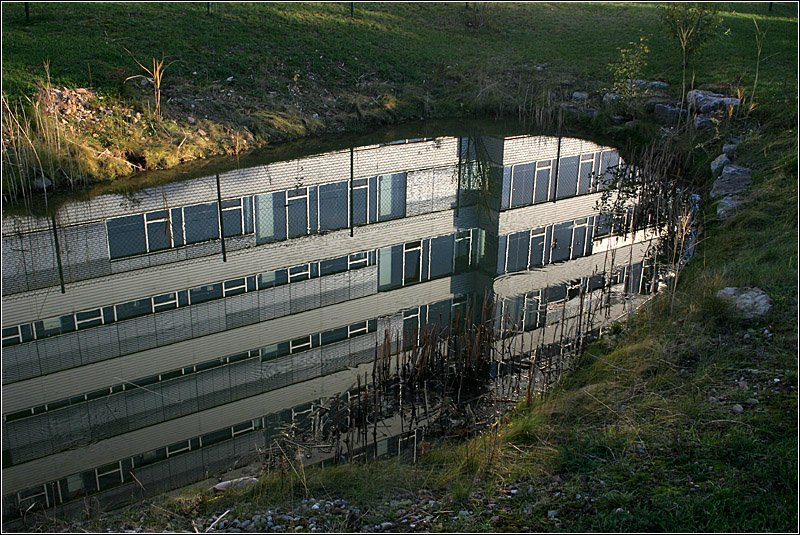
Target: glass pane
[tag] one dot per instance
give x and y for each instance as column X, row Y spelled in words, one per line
column 54, row 326
column 390, row 267
column 578, row 241
column 133, row 309
column 463, row 247
column 177, row 226
column 567, row 177
column 518, row 251
column 505, row 193
column 522, row 191
column 232, row 222
column 270, row 217
column 201, row 222
column 412, row 271
column 158, row 237
column 542, row 185
column 334, row 335
column 562, row 239
column 335, row 265
column 205, row 293
column 608, row 162
column 585, row 178
column 442, row 256
column 531, row 313
column 298, row 217
column 537, row 249
column 333, row 200
column 392, row 196
column 126, row 236
column 360, row 206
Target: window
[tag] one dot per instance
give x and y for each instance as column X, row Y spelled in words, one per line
column 232, row 217
column 270, row 210
column 412, row 266
column 391, row 196
column 159, row 231
column 126, row 236
column 89, row 318
column 72, row 487
column 441, row 259
column 179, row 447
column 463, row 250
column 11, row 336
column 538, row 253
column 54, row 326
column 390, row 267
column 31, row 497
column 297, row 212
column 234, row 287
column 334, row 335
column 243, row 428
column 150, row 457
column 517, row 259
column 360, row 195
column 562, row 240
column 356, row 329
column 609, row 160
column 579, row 241
column 543, row 172
column 358, row 260
column 205, row 293
column 133, row 309
column 410, row 328
column 533, row 318
column 522, row 184
column 271, row 279
column 201, row 222
column 300, row 344
column 586, row 172
column 300, row 273
column 109, row 475
column 567, row 185
column 505, row 193
column 333, row 203
column 334, row 265
column 165, row 302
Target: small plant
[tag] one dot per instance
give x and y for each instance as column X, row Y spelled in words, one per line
column 759, row 48
column 692, row 25
column 156, row 78
column 629, row 67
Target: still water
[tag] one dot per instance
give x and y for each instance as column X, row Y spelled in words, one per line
column 345, row 304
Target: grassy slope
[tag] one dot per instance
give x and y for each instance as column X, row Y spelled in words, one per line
column 636, row 427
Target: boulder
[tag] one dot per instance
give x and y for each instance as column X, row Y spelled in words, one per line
column 751, row 303
column 706, row 101
column 580, row 96
column 734, row 179
column 702, row 122
column 729, row 148
column 728, row 206
column 42, row 183
column 719, row 164
column 240, row 482
column 668, row 114
column 610, row 98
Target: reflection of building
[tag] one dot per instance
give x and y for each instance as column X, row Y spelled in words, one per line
column 169, row 349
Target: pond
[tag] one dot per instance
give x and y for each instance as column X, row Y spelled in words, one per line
column 344, row 304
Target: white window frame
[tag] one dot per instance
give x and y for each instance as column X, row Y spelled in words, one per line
column 290, row 197
column 541, row 166
column 17, row 336
column 226, row 289
column 250, row 426
column 168, row 221
column 98, row 475
column 407, row 249
column 181, row 450
column 153, row 299
column 299, row 274
column 301, row 346
column 32, row 497
column 240, row 207
column 360, row 263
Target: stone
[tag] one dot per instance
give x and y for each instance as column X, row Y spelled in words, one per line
column 42, row 183
column 752, row 401
column 610, row 98
column 738, row 409
column 729, row 148
column 552, row 514
column 728, row 206
column 235, row 483
column 751, row 303
column 702, row 122
column 706, row 101
column 386, row 525
column 719, row 164
column 617, row 119
column 733, row 180
column 657, row 84
column 580, row 96
column 668, row 114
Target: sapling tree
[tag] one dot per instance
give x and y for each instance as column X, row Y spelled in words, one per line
column 692, row 25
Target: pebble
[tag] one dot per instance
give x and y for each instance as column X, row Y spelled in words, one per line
column 552, row 514
column 738, row 409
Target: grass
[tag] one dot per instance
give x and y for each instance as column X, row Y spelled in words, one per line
column 644, row 430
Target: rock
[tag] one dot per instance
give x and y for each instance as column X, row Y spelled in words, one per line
column 619, row 510
column 752, row 401
column 386, row 526
column 734, row 179
column 706, row 101
column 742, row 384
column 42, row 183
column 234, row 483
column 617, row 119
column 552, row 514
column 752, row 303
column 191, row 119
column 610, row 98
column 229, row 79
column 668, row 114
column 719, row 164
column 656, row 84
column 702, row 122
column 729, row 148
column 728, row 206
column 580, row 96
column 738, row 409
